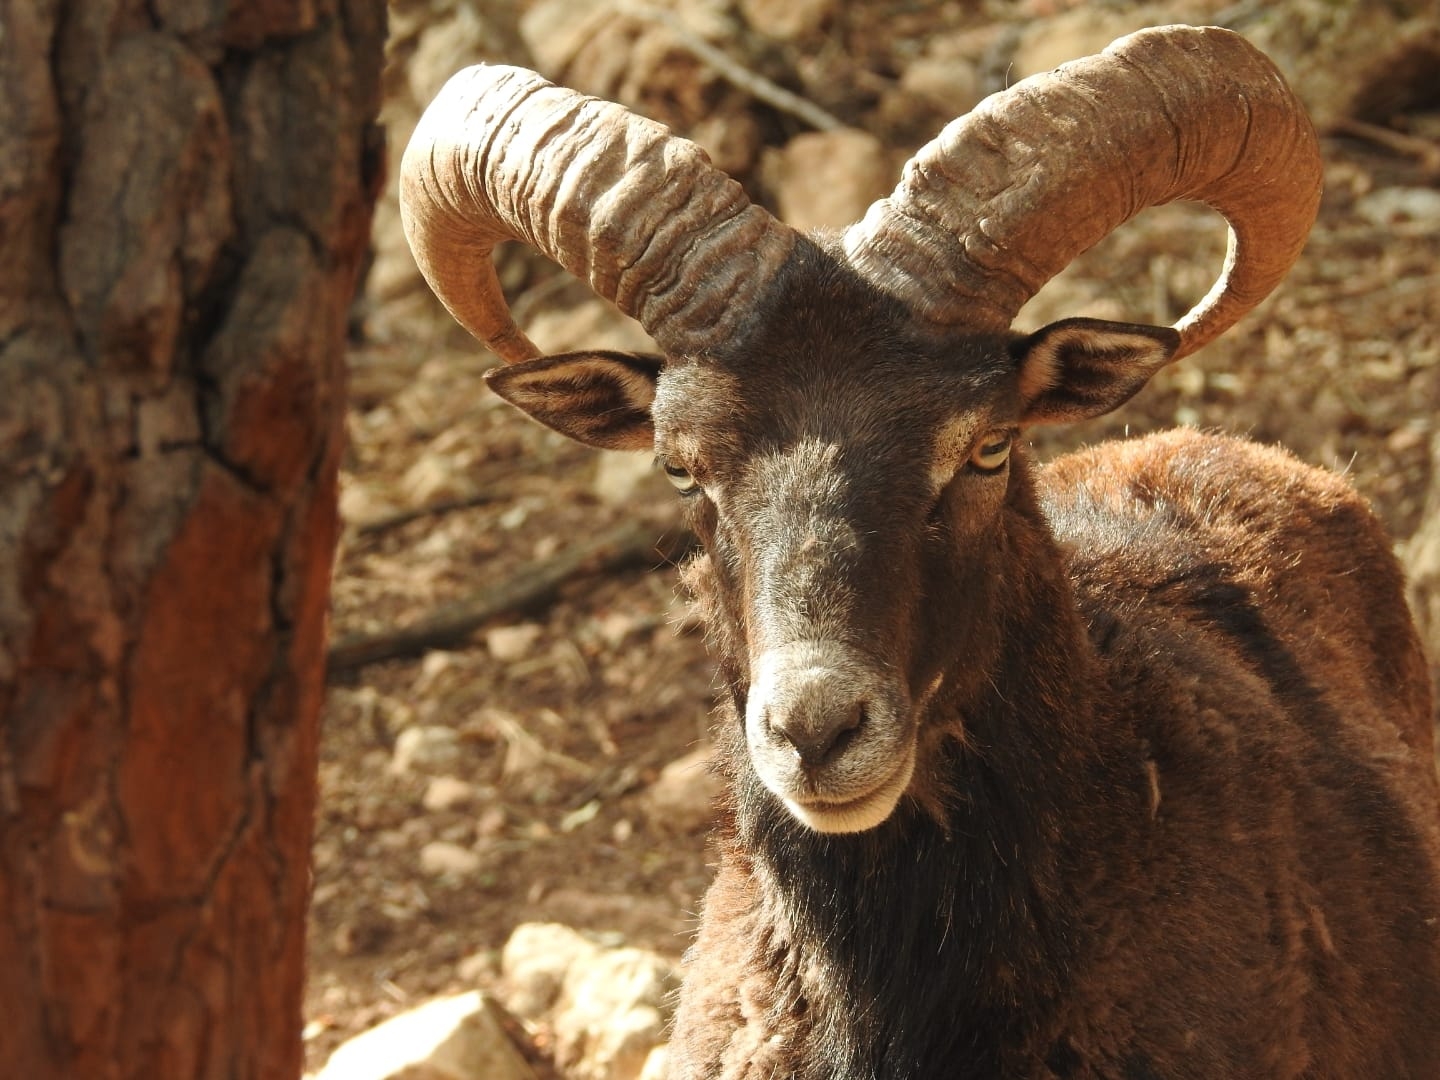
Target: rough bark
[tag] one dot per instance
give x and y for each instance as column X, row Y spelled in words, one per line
column 185, row 193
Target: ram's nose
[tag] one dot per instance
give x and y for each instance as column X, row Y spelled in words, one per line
column 817, row 715
column 830, row 733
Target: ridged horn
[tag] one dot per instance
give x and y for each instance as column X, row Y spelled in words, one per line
column 1005, row 197
column 618, row 200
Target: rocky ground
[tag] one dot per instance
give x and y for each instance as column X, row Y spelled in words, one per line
column 540, row 763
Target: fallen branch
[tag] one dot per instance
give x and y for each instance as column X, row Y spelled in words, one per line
column 1426, row 151
column 396, row 518
column 733, row 72
column 629, row 545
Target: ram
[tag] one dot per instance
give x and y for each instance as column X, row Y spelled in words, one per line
column 1117, row 767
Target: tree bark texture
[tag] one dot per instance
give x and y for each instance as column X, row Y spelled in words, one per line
column 185, row 195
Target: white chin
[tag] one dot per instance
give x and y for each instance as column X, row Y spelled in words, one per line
column 856, row 815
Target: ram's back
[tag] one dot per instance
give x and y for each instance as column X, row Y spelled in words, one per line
column 1279, row 563
column 1266, row 679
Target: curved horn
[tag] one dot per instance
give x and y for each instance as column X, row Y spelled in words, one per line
column 639, row 213
column 1004, row 198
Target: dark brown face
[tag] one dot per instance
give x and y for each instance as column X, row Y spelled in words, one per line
column 848, row 477
column 828, row 504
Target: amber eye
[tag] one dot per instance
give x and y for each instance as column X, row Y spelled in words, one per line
column 680, row 478
column 992, row 451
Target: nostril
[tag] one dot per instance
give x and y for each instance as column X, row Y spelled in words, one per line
column 818, row 737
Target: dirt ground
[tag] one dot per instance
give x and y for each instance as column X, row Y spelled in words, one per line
column 567, row 715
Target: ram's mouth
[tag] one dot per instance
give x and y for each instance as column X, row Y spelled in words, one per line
column 856, row 814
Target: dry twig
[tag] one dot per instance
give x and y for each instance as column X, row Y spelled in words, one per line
column 629, row 545
column 732, row 71
column 1425, row 151
column 393, row 520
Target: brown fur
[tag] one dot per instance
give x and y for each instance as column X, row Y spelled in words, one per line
column 1244, row 859
column 1172, row 812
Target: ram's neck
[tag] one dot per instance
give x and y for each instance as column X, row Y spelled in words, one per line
column 910, row 942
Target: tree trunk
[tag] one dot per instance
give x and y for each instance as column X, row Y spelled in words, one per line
column 185, row 193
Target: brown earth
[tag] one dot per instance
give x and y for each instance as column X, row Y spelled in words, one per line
column 565, row 734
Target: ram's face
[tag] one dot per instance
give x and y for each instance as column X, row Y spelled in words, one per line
column 833, row 488
column 848, row 476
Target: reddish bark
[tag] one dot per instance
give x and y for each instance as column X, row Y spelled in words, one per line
column 185, row 191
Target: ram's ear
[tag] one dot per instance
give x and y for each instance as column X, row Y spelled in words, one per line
column 597, row 398
column 1079, row 368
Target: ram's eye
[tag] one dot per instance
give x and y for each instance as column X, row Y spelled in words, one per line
column 680, row 478
column 992, row 451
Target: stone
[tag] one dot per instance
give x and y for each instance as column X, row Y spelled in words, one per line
column 828, row 179
column 442, row 858
column 657, row 1064
column 447, row 793
column 682, row 799
column 612, row 1013
column 555, row 30
column 425, row 748
column 437, row 477
column 608, row 1006
column 450, row 1038
column 787, row 20
column 534, row 964
column 949, row 85
column 1389, row 205
column 510, row 643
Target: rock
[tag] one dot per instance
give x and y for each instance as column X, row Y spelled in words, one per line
column 682, row 799
column 441, row 858
column 1045, row 44
column 948, row 84
column 612, row 1013
column 534, row 964
column 510, row 643
column 1388, row 205
column 608, row 1007
column 425, row 749
column 447, row 793
column 437, row 476
column 452, row 1038
column 657, row 1065
column 828, row 179
column 788, row 20
column 477, row 966
column 555, row 30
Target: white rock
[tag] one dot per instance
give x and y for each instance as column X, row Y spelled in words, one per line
column 828, row 179
column 510, row 643
column 1386, row 206
column 683, row 797
column 1082, row 31
column 453, row 1038
column 657, row 1065
column 441, row 858
column 534, row 964
column 950, row 85
column 555, row 30
column 435, row 477
column 788, row 19
column 447, row 793
column 608, row 1006
column 612, row 1013
column 425, row 748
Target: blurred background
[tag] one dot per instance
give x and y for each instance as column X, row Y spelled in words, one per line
column 513, row 792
